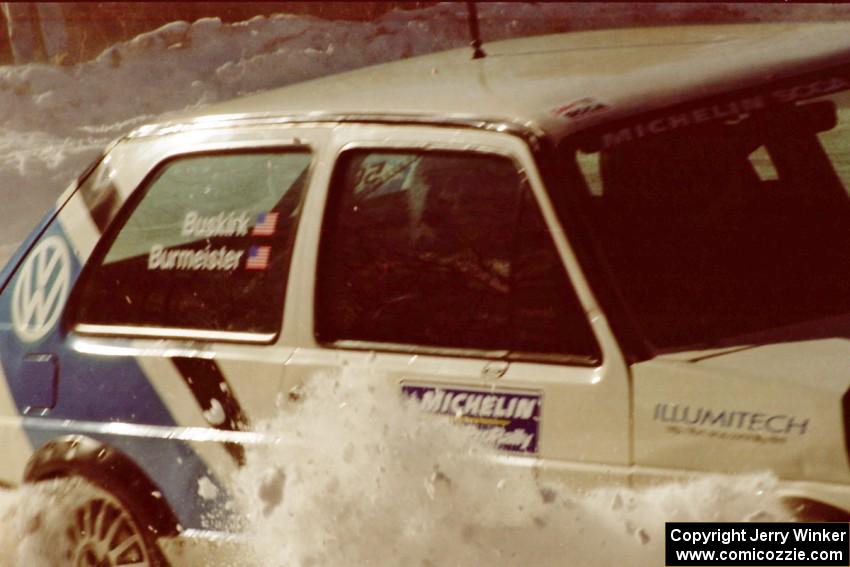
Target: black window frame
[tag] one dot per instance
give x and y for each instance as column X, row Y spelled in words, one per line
column 70, row 317
column 330, row 203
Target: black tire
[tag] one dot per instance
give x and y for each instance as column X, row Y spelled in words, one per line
column 805, row 510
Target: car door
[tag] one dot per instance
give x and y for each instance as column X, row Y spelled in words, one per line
column 177, row 249
column 439, row 265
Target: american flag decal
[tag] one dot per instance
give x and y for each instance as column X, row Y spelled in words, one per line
column 258, row 258
column 266, row 224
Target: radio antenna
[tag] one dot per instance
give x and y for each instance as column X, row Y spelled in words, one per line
column 472, row 12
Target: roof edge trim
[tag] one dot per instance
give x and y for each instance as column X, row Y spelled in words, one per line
column 526, row 130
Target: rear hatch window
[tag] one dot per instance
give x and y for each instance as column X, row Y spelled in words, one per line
column 728, row 221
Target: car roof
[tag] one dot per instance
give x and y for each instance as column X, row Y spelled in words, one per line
column 536, row 82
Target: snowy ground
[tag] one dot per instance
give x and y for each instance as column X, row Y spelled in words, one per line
column 425, row 503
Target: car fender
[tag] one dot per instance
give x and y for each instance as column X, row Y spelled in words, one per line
column 108, row 468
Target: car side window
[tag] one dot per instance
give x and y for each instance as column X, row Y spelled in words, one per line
column 727, row 232
column 443, row 249
column 205, row 248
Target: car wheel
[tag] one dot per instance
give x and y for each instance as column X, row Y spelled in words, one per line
column 102, row 532
column 805, row 510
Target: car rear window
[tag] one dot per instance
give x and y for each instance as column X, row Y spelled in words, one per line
column 206, row 247
column 728, row 223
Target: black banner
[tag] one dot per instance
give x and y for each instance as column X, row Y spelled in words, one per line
column 693, row 544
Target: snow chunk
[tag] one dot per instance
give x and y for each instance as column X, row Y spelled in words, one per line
column 215, row 413
column 207, row 490
column 369, row 481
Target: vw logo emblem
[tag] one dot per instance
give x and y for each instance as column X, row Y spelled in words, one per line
column 41, row 289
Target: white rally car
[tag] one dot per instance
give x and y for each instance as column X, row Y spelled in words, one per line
column 624, row 254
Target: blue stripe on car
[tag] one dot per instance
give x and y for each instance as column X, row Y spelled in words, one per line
column 102, row 389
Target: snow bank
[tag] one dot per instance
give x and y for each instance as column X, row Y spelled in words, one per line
column 359, row 478
column 354, row 476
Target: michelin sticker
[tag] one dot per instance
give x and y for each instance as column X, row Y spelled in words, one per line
column 41, row 289
column 729, row 110
column 509, row 419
